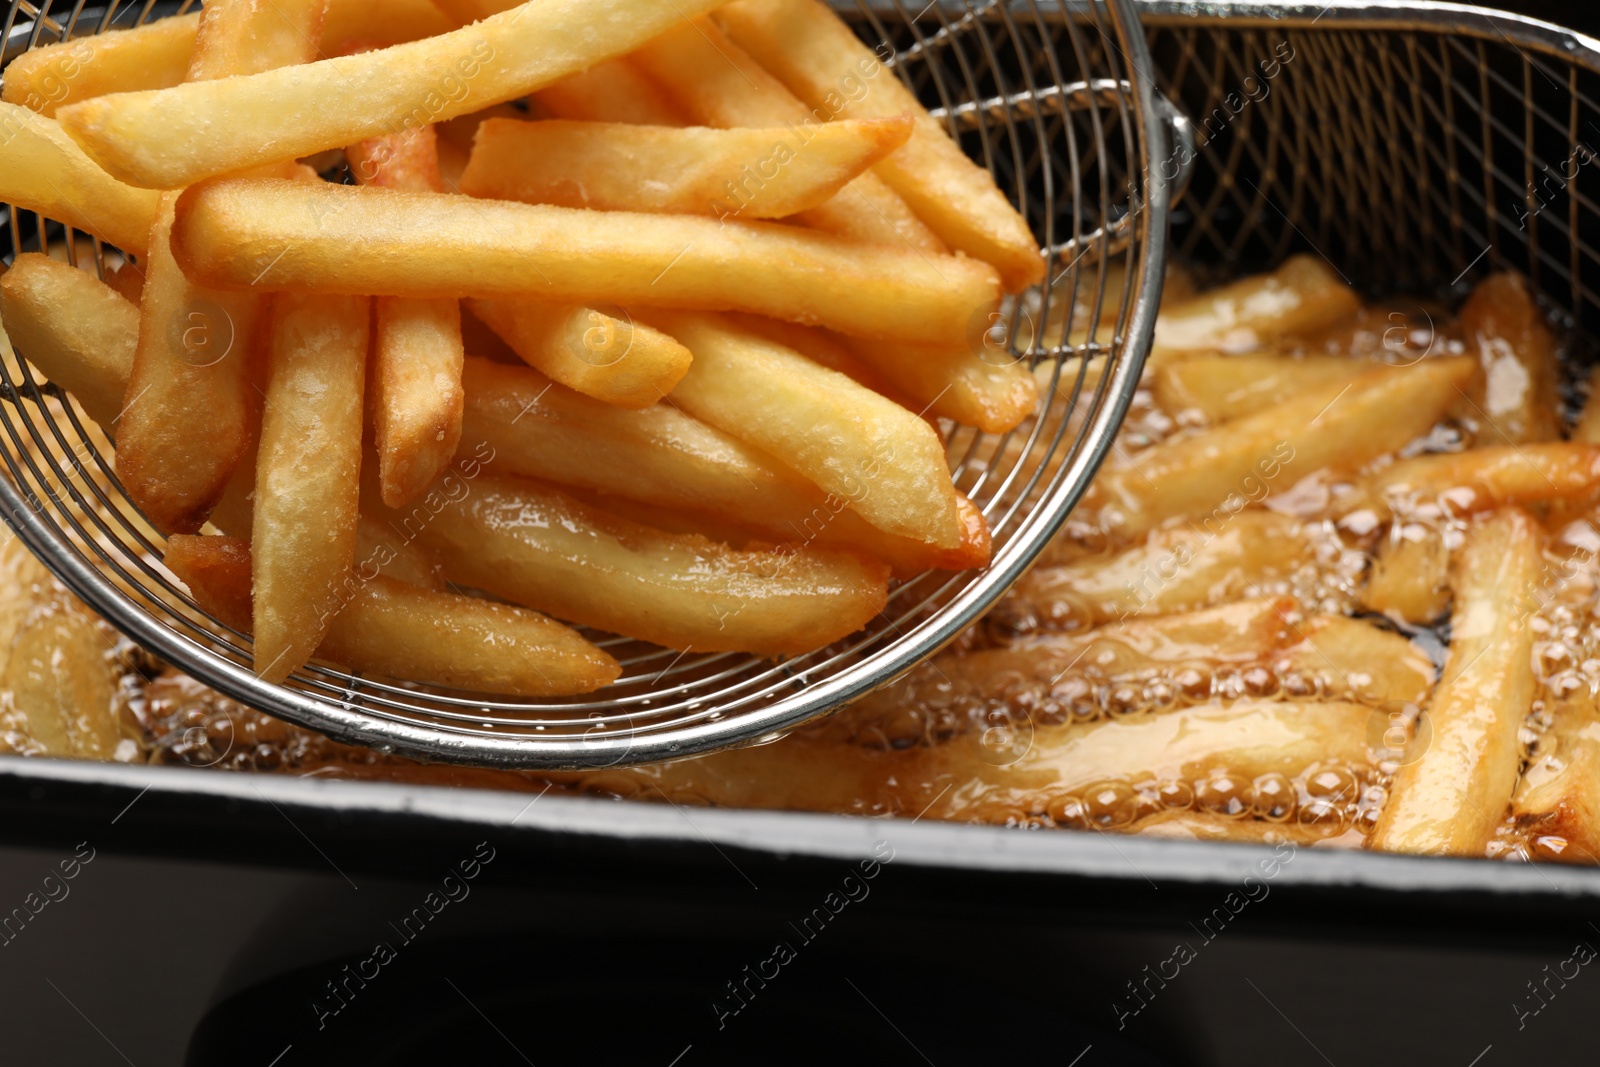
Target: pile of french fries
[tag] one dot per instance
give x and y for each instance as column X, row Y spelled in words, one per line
column 1339, row 584
column 608, row 314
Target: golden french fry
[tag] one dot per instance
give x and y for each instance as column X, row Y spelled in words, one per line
column 613, row 91
column 1218, row 471
column 391, row 627
column 1186, row 825
column 1557, row 803
column 1410, row 578
column 170, row 138
column 715, row 83
column 846, row 439
column 823, row 62
column 340, row 238
column 1226, row 387
column 1302, row 295
column 156, row 55
column 729, row 174
column 1587, row 431
column 1183, row 568
column 1517, row 399
column 823, row 348
column 75, row 329
column 189, row 411
column 964, row 383
column 535, row 547
column 190, row 404
column 1481, row 479
column 612, row 359
column 1247, row 738
column 417, row 351
column 663, row 458
column 1351, row 659
column 303, row 533
column 1454, row 795
column 42, row 170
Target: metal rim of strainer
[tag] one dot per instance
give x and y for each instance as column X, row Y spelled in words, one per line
column 90, row 543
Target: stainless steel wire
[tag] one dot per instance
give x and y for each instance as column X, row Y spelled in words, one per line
column 1056, row 98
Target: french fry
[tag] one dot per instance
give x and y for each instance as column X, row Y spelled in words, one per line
column 1225, row 387
column 615, row 90
column 303, row 532
column 847, row 440
column 156, row 55
column 822, row 348
column 1481, row 479
column 170, row 138
column 729, row 174
column 615, row 360
column 533, row 546
column 1179, row 569
column 190, row 406
column 1557, row 802
column 397, row 629
column 1451, row 799
column 955, row 382
column 1301, row 296
column 417, row 351
column 54, row 664
column 1186, row 825
column 715, row 83
column 663, row 458
column 42, row 170
column 1517, row 395
column 1213, row 473
column 1587, row 431
column 798, row 773
column 1351, row 659
column 1410, row 578
column 338, row 238
column 75, row 329
column 823, row 62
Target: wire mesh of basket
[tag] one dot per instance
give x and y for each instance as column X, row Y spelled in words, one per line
column 1416, row 146
column 1054, row 98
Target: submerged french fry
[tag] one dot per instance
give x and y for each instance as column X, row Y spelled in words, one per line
column 339, row 238
column 1517, row 395
column 1173, row 570
column 1302, row 295
column 395, row 628
column 1410, row 578
column 1217, row 471
column 535, row 547
column 303, row 533
column 190, row 404
column 417, row 351
column 42, row 170
column 1186, row 825
column 1451, row 798
column 798, row 773
column 1481, row 479
column 715, row 83
column 170, row 138
column 818, row 57
column 1558, row 798
column 663, row 458
column 1226, row 387
column 728, row 174
column 75, row 329
column 848, row 440
column 612, row 359
column 615, row 90
column 1587, row 431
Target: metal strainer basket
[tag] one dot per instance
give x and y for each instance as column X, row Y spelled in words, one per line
column 1055, row 98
